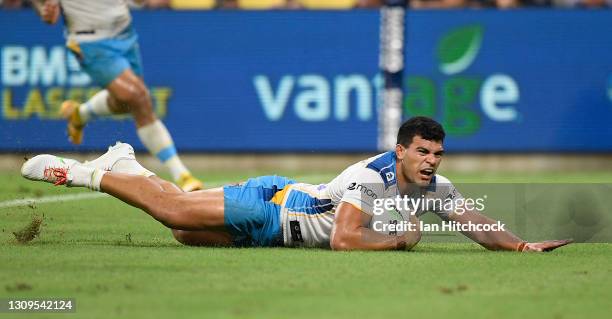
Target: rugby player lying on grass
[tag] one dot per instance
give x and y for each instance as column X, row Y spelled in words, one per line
column 277, row 211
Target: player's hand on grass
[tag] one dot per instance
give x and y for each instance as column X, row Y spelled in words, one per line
column 50, row 11
column 547, row 245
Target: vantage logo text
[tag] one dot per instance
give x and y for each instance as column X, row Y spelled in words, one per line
column 460, row 100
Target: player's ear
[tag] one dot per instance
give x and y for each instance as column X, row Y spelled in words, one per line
column 400, row 151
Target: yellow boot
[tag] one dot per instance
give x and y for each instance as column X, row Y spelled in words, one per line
column 188, row 183
column 70, row 111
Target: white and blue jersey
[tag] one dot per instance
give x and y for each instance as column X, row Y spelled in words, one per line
column 100, row 35
column 299, row 214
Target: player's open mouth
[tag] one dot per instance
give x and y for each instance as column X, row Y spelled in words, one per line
column 426, row 173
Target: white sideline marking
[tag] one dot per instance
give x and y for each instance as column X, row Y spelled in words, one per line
column 50, row 199
column 81, row 196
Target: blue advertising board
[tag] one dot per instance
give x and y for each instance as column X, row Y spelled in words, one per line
column 517, row 80
column 308, row 81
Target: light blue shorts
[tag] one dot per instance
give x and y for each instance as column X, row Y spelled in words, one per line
column 250, row 216
column 106, row 59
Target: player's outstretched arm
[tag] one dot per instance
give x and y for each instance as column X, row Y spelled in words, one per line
column 49, row 10
column 350, row 233
column 502, row 240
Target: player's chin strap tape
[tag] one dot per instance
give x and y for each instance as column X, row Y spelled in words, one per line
column 296, row 231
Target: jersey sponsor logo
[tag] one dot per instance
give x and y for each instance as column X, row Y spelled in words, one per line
column 384, row 166
column 390, row 176
column 360, row 187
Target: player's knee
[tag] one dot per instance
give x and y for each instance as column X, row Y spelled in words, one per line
column 167, row 210
column 171, row 218
column 133, row 95
column 141, row 100
column 122, row 96
column 182, row 237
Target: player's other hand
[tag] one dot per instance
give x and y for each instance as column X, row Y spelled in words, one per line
column 50, row 11
column 547, row 245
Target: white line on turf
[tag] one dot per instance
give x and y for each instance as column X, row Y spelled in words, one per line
column 82, row 196
column 50, row 199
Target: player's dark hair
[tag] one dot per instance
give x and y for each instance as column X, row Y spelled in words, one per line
column 425, row 127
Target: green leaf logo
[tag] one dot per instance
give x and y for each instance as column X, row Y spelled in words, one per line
column 457, row 49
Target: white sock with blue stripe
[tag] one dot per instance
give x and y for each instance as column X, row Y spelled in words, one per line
column 158, row 141
column 94, row 107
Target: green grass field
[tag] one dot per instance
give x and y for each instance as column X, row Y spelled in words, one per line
column 117, row 262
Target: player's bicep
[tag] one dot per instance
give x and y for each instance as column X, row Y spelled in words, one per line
column 348, row 216
column 348, row 222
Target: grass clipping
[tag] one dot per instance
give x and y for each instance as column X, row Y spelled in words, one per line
column 30, row 231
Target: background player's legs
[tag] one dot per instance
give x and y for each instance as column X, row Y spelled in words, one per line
column 99, row 105
column 128, row 93
column 115, row 64
column 129, row 89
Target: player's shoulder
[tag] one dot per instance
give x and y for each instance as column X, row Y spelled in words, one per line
column 441, row 180
column 360, row 173
column 382, row 166
column 442, row 186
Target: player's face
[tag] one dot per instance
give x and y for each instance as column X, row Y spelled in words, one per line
column 419, row 161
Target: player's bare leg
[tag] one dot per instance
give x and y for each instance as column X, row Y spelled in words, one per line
column 130, row 94
column 196, row 218
column 203, row 238
column 194, row 237
column 201, row 210
column 120, row 158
